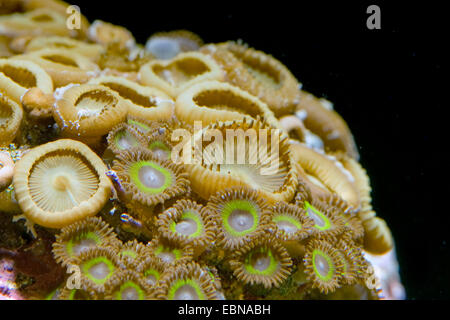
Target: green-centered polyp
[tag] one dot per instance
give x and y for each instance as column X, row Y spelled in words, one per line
column 352, row 260
column 261, row 262
column 127, row 284
column 152, row 269
column 81, row 236
column 168, row 255
column 150, row 177
column 130, row 291
column 140, row 125
column 97, row 265
column 132, row 252
column 186, row 289
column 239, row 217
column 124, row 137
column 321, row 221
column 188, row 281
column 327, row 222
column 129, row 253
column 123, row 140
column 287, row 223
column 145, row 180
column 323, row 266
column 82, row 242
column 292, row 222
column 98, row 269
column 189, row 225
column 264, row 261
column 242, row 215
column 152, row 276
column 160, row 149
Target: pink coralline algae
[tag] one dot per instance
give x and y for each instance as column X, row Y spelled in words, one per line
column 8, row 288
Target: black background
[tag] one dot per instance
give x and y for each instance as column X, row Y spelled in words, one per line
column 387, row 84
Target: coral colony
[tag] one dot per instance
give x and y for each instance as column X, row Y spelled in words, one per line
column 133, row 171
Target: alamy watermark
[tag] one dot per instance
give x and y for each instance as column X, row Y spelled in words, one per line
column 372, row 281
column 74, row 280
column 374, row 20
column 73, row 22
column 214, row 147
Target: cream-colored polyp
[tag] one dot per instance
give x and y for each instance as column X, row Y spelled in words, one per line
column 222, row 101
column 59, row 219
column 325, row 173
column 10, row 84
column 143, row 102
column 176, row 75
